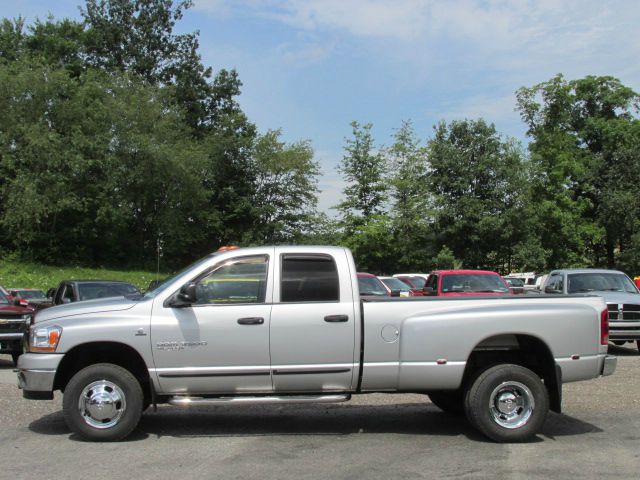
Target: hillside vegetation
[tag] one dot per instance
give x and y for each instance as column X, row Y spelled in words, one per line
column 15, row 274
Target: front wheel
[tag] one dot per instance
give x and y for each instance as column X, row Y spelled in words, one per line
column 507, row 403
column 14, row 356
column 103, row 402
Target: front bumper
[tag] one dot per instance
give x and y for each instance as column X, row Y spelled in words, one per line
column 36, row 375
column 609, row 365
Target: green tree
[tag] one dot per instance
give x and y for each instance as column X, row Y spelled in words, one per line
column 407, row 165
column 363, row 169
column 286, row 188
column 478, row 180
column 579, row 130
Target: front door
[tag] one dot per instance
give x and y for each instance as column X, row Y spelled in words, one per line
column 220, row 344
column 313, row 324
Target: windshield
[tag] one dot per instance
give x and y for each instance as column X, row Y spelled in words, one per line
column 599, row 282
column 3, row 298
column 371, row 286
column 160, row 288
column 395, row 284
column 31, row 294
column 473, row 283
column 418, row 282
column 515, row 282
column 91, row 291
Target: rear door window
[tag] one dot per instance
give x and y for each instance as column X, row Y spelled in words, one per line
column 309, row 278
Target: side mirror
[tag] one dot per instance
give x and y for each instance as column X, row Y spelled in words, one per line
column 395, row 293
column 428, row 291
column 550, row 289
column 186, row 296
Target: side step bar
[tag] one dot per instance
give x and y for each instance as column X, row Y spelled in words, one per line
column 184, row 401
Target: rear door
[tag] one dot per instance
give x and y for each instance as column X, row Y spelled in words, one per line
column 313, row 323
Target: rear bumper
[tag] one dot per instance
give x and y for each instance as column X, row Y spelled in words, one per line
column 609, row 365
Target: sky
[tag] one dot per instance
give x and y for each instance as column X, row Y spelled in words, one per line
column 311, row 67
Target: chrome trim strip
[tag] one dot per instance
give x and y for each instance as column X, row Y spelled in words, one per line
column 210, row 371
column 432, row 364
column 187, row 401
column 311, row 372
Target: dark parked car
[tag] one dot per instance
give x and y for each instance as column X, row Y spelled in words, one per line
column 516, row 285
column 70, row 291
column 32, row 296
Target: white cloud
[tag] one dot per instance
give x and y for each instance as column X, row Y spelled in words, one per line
column 506, row 34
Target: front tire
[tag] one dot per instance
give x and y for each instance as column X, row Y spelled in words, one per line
column 103, row 402
column 507, row 403
column 14, row 357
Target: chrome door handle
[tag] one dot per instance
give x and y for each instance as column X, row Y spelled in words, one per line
column 336, row 318
column 251, row 321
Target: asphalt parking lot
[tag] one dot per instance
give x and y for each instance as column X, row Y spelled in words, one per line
column 373, row 436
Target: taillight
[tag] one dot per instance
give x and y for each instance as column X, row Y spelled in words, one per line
column 604, row 327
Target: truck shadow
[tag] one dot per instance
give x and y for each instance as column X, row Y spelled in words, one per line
column 626, row 350
column 251, row 421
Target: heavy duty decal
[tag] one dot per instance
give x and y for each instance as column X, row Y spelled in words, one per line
column 179, row 345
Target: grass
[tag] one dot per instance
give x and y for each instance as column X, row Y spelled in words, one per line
column 14, row 274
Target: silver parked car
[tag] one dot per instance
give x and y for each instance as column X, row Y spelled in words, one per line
column 617, row 289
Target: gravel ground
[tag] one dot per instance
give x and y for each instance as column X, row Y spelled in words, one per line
column 373, row 436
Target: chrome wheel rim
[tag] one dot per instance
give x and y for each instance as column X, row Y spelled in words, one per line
column 102, row 404
column 511, row 404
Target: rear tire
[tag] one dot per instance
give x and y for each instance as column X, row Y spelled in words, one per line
column 507, row 403
column 103, row 402
column 449, row 401
column 619, row 343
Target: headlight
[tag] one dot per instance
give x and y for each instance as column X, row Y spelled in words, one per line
column 44, row 339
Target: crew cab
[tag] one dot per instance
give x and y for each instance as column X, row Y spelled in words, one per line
column 274, row 325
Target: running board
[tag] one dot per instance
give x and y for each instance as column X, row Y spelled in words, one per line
column 184, row 401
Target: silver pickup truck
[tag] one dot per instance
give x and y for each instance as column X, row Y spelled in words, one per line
column 287, row 325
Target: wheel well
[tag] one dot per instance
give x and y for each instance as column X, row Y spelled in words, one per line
column 525, row 350
column 102, row 352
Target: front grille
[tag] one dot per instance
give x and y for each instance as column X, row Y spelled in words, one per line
column 628, row 312
column 12, row 326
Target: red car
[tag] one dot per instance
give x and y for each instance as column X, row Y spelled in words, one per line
column 457, row 283
column 415, row 282
column 14, row 324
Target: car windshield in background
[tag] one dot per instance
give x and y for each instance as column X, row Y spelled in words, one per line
column 91, row 291
column 395, row 284
column 515, row 282
column 473, row 283
column 371, row 286
column 599, row 282
column 3, row 299
column 31, row 294
column 419, row 282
